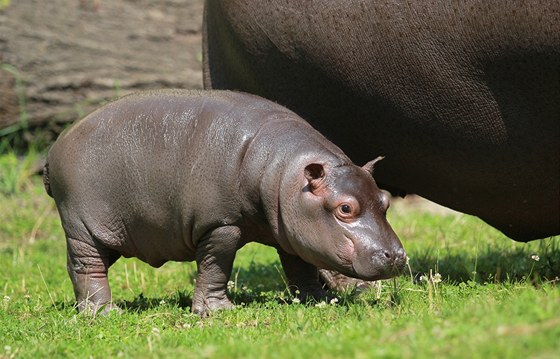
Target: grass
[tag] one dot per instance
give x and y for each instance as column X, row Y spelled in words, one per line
column 471, row 293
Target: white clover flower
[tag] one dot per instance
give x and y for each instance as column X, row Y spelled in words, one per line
column 334, row 301
column 296, row 301
column 535, row 257
column 162, row 302
column 321, row 304
column 436, row 278
column 230, row 284
column 6, row 299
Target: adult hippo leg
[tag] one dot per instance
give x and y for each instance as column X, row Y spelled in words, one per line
column 88, row 265
column 302, row 276
column 214, row 258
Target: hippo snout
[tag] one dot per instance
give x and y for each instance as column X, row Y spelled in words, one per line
column 379, row 263
column 394, row 259
column 387, row 263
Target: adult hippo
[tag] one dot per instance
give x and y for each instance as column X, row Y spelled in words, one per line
column 463, row 98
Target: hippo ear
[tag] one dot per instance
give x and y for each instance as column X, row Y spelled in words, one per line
column 368, row 167
column 314, row 173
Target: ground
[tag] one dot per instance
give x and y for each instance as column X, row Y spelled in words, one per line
column 61, row 58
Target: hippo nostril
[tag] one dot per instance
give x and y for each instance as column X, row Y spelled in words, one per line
column 400, row 257
column 396, row 258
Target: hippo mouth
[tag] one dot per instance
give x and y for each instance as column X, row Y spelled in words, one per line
column 346, row 252
column 383, row 274
column 346, row 255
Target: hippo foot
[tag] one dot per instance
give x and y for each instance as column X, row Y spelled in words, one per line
column 312, row 296
column 339, row 282
column 205, row 307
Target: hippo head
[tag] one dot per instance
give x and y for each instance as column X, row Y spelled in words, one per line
column 340, row 222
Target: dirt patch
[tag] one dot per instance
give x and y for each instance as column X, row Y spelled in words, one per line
column 73, row 55
column 9, row 108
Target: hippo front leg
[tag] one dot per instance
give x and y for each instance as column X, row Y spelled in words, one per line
column 339, row 282
column 214, row 258
column 88, row 267
column 303, row 278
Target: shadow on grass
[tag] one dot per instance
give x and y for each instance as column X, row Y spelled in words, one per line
column 493, row 265
column 141, row 303
column 262, row 284
column 256, row 284
column 265, row 283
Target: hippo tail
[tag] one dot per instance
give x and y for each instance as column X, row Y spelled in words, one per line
column 46, row 181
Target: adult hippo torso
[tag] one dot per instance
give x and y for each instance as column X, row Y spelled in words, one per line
column 463, row 99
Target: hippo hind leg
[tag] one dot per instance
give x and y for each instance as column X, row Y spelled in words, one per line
column 88, row 263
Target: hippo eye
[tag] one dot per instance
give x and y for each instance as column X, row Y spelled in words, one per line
column 345, row 211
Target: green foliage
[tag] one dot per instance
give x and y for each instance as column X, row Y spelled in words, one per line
column 470, row 293
column 4, row 4
column 16, row 171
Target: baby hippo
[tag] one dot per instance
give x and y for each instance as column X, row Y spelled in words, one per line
column 194, row 175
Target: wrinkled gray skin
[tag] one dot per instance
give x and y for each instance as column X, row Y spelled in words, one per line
column 462, row 97
column 193, row 176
